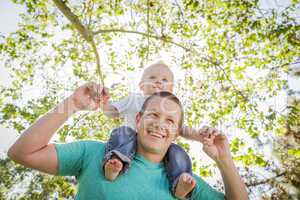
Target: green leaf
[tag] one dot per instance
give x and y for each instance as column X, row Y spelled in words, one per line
column 294, row 152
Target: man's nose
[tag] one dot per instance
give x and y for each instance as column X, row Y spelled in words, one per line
column 161, row 124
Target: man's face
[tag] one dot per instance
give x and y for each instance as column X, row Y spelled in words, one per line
column 158, row 126
column 157, row 78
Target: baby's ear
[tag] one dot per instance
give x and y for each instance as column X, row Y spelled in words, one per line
column 172, row 86
column 141, row 85
column 178, row 133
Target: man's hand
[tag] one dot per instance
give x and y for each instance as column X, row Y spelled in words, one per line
column 90, row 96
column 216, row 146
column 215, row 143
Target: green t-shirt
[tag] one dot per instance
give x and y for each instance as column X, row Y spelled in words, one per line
column 144, row 180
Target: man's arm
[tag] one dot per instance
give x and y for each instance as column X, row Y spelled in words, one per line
column 234, row 186
column 217, row 147
column 32, row 149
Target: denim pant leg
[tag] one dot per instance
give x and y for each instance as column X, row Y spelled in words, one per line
column 122, row 143
column 176, row 162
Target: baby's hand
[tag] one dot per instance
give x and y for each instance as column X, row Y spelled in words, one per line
column 207, row 132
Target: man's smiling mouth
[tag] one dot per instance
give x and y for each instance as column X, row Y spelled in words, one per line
column 156, row 134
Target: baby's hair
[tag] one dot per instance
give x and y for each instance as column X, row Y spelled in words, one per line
column 158, row 62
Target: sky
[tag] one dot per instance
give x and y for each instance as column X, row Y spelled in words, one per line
column 8, row 23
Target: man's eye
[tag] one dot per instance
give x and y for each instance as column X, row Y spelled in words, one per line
column 152, row 77
column 165, row 80
column 153, row 115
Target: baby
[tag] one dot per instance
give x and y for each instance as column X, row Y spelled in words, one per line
column 121, row 146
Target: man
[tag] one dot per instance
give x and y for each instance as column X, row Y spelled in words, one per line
column 158, row 125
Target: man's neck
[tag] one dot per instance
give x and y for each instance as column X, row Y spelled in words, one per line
column 152, row 157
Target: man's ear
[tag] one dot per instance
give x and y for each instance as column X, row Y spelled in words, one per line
column 138, row 118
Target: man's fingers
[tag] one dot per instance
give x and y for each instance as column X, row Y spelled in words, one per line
column 90, row 89
column 105, row 91
column 93, row 105
column 97, row 91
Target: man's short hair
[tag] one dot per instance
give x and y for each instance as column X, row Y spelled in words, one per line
column 164, row 95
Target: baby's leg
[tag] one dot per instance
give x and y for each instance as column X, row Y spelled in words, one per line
column 112, row 168
column 185, row 185
column 119, row 152
column 179, row 171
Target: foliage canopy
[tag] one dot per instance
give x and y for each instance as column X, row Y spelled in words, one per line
column 234, row 57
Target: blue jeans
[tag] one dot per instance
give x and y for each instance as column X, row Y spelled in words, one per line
column 123, row 144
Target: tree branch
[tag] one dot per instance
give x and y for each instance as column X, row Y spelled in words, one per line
column 182, row 14
column 253, row 184
column 77, row 121
column 218, row 66
column 85, row 33
column 98, row 70
column 163, row 38
column 148, row 29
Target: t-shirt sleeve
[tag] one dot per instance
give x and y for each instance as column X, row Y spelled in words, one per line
column 205, row 191
column 70, row 158
column 123, row 105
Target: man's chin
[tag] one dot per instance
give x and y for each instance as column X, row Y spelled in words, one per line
column 154, row 150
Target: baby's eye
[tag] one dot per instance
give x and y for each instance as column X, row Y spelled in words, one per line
column 170, row 121
column 165, row 80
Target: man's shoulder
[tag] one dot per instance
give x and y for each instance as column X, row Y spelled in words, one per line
column 73, row 157
column 93, row 144
column 82, row 145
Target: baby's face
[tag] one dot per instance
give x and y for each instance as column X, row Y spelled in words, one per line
column 157, row 78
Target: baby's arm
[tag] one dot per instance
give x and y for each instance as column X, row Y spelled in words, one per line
column 189, row 133
column 110, row 111
column 195, row 134
column 118, row 108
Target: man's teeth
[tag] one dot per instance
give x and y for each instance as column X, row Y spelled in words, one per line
column 156, row 135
